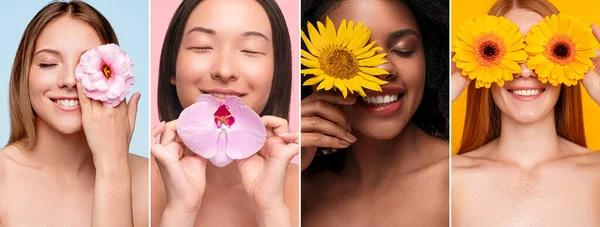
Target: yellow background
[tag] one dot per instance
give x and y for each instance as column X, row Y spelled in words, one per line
column 588, row 11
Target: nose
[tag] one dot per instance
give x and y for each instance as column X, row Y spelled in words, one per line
column 66, row 79
column 387, row 67
column 526, row 72
column 225, row 68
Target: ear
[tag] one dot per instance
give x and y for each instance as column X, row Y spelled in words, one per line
column 172, row 80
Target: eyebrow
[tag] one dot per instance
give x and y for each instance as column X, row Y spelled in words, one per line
column 213, row 32
column 46, row 51
column 202, row 30
column 403, row 33
column 253, row 33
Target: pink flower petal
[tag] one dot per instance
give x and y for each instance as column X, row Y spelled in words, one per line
column 199, row 132
column 95, row 84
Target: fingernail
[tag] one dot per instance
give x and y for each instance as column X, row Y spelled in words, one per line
column 351, row 137
column 344, row 143
column 348, row 127
column 350, row 99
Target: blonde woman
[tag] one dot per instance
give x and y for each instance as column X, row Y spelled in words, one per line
column 67, row 160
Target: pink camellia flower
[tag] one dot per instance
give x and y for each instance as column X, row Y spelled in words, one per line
column 221, row 132
column 106, row 74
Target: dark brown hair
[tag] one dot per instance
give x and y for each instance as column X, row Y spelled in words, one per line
column 169, row 106
column 22, row 115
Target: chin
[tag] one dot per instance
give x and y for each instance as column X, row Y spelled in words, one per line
column 380, row 131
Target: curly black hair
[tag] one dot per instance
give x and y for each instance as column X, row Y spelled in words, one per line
column 433, row 21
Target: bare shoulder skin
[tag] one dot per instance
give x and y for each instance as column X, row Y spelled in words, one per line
column 33, row 196
column 224, row 204
column 418, row 197
column 563, row 191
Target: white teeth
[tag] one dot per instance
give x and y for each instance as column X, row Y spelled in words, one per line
column 220, row 95
column 380, row 99
column 67, row 102
column 529, row 92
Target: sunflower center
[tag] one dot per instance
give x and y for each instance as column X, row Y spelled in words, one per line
column 339, row 63
column 560, row 49
column 107, row 72
column 489, row 49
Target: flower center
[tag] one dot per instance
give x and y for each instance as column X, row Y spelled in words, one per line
column 560, row 49
column 339, row 63
column 107, row 72
column 223, row 118
column 489, row 49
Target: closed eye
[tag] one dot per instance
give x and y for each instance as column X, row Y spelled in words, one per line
column 252, row 53
column 403, row 54
column 44, row 65
column 201, row 49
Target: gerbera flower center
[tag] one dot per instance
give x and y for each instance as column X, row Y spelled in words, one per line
column 489, row 49
column 107, row 72
column 560, row 50
column 339, row 63
column 223, row 118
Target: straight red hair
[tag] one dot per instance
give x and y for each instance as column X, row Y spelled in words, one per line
column 482, row 120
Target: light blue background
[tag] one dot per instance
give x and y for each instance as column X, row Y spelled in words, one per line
column 129, row 19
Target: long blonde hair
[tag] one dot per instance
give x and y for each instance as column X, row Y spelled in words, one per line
column 22, row 115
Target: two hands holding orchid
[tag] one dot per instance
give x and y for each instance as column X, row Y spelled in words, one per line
column 591, row 80
column 263, row 174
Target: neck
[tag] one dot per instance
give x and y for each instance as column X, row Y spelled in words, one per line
column 223, row 176
column 61, row 153
column 528, row 144
column 373, row 160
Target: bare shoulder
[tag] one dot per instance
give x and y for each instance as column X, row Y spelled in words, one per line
column 139, row 177
column 582, row 158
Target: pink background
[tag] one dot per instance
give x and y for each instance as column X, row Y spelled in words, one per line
column 161, row 13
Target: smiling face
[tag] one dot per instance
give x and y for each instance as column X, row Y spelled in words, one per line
column 226, row 50
column 52, row 84
column 525, row 99
column 384, row 115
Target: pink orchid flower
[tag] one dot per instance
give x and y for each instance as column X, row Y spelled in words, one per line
column 106, row 74
column 221, row 132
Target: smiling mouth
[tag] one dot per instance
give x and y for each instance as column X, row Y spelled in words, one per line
column 526, row 92
column 381, row 100
column 66, row 102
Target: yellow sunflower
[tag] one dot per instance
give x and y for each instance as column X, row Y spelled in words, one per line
column 560, row 49
column 341, row 58
column 489, row 49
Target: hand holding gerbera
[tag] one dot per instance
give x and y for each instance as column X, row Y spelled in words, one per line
column 591, row 80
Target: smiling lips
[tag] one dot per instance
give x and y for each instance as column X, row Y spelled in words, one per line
column 383, row 103
column 526, row 94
